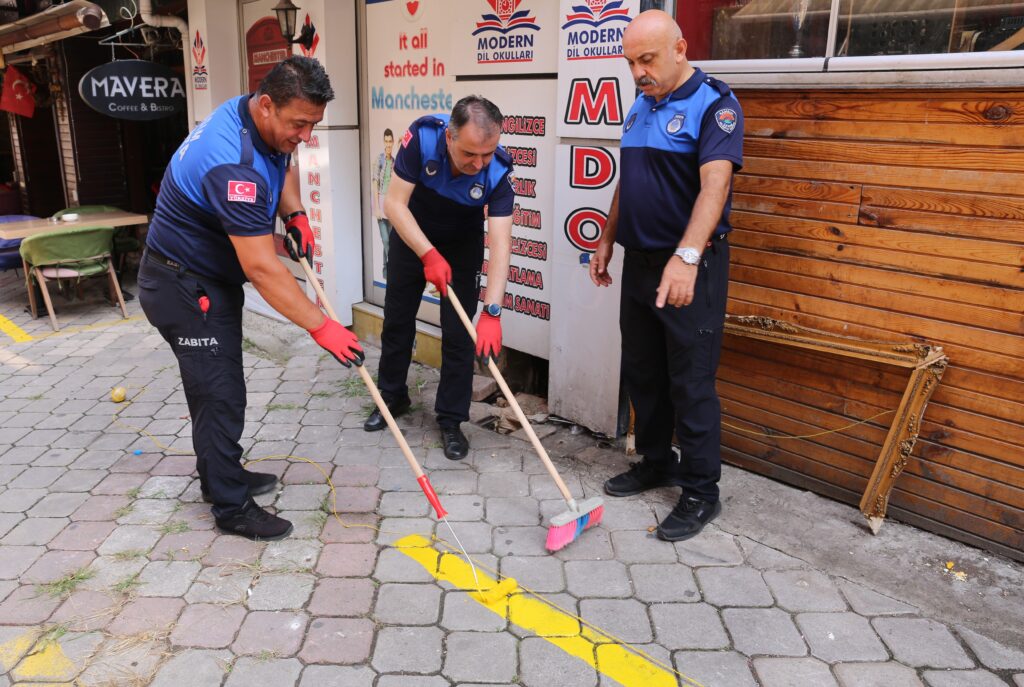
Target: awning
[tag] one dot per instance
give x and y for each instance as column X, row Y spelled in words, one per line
column 872, row 9
column 59, row 21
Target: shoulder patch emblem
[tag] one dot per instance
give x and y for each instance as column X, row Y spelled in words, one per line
column 630, row 122
column 476, row 192
column 241, row 191
column 726, row 120
column 406, row 138
column 675, row 124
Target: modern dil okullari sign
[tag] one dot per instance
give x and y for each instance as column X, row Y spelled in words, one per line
column 133, row 89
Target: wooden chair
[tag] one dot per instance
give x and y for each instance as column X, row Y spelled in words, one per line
column 68, row 254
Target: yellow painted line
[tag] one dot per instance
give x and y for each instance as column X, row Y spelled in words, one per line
column 14, row 331
column 13, row 649
column 47, row 662
column 601, row 652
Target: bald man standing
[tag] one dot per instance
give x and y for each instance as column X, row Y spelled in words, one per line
column 681, row 143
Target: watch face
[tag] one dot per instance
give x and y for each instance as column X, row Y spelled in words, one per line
column 690, row 256
column 493, row 309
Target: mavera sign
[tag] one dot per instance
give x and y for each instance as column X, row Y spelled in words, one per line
column 133, row 89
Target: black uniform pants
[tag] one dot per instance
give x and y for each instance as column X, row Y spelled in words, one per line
column 209, row 353
column 669, row 358
column 401, row 303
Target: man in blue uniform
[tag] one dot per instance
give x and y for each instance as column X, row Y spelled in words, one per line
column 446, row 171
column 212, row 231
column 681, row 143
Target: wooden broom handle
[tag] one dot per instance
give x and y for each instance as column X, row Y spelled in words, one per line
column 367, row 379
column 538, row 447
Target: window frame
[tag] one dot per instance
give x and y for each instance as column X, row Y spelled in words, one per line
column 1004, row 68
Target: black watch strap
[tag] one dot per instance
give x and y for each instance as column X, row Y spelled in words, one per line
column 289, row 218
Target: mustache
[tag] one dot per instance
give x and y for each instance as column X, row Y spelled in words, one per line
column 646, row 81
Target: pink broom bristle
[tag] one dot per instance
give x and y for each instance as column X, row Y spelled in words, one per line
column 561, row 536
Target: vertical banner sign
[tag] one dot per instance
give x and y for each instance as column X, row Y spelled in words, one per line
column 583, row 383
column 314, row 165
column 529, row 138
column 408, row 76
column 505, row 37
column 595, row 89
column 200, row 75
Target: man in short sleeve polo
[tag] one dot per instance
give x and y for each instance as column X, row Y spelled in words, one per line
column 212, row 230
column 446, row 172
column 681, row 143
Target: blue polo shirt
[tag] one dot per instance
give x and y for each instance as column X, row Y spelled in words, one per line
column 664, row 144
column 450, row 207
column 223, row 180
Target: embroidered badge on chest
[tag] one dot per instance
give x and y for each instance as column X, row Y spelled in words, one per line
column 726, row 120
column 675, row 124
column 476, row 192
column 430, row 168
column 630, row 122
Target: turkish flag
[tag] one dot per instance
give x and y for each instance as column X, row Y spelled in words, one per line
column 17, row 96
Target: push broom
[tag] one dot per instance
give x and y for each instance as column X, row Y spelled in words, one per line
column 564, row 528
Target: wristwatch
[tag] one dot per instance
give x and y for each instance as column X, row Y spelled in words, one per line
column 691, row 256
column 493, row 309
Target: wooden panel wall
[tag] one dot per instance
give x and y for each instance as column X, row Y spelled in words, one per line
column 886, row 215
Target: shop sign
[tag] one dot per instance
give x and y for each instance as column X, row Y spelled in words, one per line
column 133, row 89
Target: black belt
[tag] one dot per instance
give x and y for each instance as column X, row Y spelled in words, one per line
column 158, row 258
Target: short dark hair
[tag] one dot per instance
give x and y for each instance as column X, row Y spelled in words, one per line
column 297, row 77
column 477, row 109
column 387, row 132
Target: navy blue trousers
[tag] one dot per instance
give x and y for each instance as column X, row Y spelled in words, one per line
column 669, row 358
column 402, row 302
column 209, row 353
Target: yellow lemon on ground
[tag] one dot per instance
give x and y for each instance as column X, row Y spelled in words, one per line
column 118, row 393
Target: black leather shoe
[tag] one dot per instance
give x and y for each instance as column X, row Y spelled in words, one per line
column 688, row 518
column 252, row 522
column 376, row 421
column 456, row 445
column 641, row 476
column 259, row 483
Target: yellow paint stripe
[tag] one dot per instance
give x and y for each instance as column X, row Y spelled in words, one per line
column 48, row 662
column 601, row 652
column 14, row 331
column 12, row 650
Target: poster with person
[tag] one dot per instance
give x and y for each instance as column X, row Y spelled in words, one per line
column 407, row 77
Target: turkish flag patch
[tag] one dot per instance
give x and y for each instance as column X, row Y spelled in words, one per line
column 406, row 138
column 241, row 191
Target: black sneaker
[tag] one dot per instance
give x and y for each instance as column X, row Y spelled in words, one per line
column 688, row 518
column 252, row 522
column 376, row 421
column 455, row 443
column 259, row 483
column 641, row 476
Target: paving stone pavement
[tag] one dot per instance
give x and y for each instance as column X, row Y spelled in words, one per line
column 112, row 572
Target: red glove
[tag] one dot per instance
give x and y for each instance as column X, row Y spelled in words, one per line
column 488, row 337
column 437, row 270
column 301, row 235
column 339, row 342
